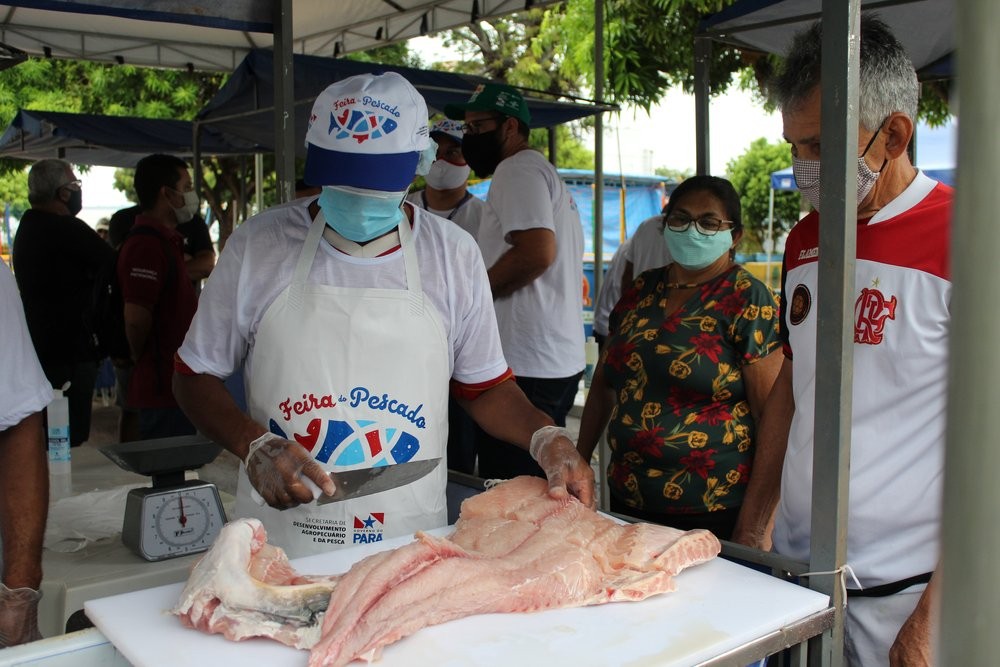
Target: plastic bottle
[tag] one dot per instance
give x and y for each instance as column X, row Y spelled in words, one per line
column 590, row 358
column 58, row 417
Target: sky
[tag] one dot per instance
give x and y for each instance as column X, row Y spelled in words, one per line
column 641, row 142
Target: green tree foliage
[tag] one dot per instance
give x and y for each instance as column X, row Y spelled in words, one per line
column 750, row 174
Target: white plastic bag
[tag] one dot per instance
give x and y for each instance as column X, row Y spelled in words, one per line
column 79, row 520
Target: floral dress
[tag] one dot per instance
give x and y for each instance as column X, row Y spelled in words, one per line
column 681, row 433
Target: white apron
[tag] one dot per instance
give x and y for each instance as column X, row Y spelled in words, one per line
column 359, row 377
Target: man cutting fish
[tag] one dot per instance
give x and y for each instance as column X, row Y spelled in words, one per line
column 352, row 315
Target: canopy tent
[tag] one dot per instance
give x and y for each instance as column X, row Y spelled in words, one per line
column 925, row 27
column 217, row 35
column 245, row 104
column 116, row 141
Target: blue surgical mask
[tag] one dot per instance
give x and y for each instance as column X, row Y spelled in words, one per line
column 361, row 215
column 693, row 250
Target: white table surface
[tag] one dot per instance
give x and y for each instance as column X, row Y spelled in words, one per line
column 718, row 606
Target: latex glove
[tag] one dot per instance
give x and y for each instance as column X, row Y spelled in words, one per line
column 278, row 468
column 18, row 616
column 566, row 470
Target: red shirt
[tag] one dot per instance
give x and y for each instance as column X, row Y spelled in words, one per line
column 152, row 278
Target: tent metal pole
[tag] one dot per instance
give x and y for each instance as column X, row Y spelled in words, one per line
column 834, row 314
column 284, row 100
column 258, row 180
column 970, row 607
column 770, row 238
column 598, row 148
column 702, row 90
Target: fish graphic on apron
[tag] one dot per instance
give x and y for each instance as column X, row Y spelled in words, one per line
column 359, row 377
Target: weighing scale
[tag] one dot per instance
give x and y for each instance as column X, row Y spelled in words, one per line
column 174, row 517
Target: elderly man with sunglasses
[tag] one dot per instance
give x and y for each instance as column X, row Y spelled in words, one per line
column 56, row 258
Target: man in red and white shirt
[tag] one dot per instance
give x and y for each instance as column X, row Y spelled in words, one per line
column 901, row 330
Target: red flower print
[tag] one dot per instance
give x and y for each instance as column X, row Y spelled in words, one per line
column 647, row 443
column 744, row 470
column 731, row 304
column 618, row 474
column 619, row 354
column 672, row 322
column 628, row 300
column 699, row 461
column 708, row 345
column 714, row 414
column 680, row 400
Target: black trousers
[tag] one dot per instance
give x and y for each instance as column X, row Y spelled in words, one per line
column 502, row 460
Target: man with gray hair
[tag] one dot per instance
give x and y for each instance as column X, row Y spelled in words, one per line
column 56, row 260
column 900, row 358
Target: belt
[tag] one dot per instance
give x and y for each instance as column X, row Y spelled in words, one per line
column 884, row 590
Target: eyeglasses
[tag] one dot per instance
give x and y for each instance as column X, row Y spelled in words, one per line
column 706, row 225
column 475, row 126
column 75, row 184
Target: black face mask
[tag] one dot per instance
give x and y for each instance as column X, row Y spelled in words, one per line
column 75, row 202
column 482, row 151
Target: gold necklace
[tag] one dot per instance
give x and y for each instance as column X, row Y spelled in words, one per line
column 671, row 285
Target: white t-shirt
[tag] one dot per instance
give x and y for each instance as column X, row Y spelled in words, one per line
column 611, row 289
column 648, row 250
column 541, row 324
column 901, row 330
column 467, row 215
column 259, row 259
column 25, row 389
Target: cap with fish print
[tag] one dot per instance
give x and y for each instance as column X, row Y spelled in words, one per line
column 367, row 131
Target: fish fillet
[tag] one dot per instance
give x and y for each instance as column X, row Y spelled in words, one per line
column 514, row 549
column 243, row 587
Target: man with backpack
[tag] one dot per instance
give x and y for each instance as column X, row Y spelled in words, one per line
column 159, row 300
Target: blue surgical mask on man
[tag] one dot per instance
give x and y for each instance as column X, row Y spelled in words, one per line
column 361, row 215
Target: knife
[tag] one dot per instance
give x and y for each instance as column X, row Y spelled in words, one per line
column 366, row 481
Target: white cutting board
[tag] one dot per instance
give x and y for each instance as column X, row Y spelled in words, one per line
column 718, row 606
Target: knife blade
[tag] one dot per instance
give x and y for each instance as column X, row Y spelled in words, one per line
column 364, row 482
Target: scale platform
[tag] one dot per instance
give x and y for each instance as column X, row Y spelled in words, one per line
column 175, row 517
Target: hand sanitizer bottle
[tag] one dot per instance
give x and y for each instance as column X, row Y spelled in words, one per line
column 58, row 418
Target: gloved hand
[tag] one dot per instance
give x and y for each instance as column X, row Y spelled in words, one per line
column 18, row 616
column 277, row 469
column 565, row 469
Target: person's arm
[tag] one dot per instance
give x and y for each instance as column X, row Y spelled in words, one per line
column 532, row 252
column 912, row 647
column 758, row 378
column 628, row 274
column 200, row 266
column 277, row 470
column 138, row 324
column 505, row 412
column 596, row 412
column 753, row 527
column 24, row 506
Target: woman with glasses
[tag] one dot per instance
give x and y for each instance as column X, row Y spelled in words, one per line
column 692, row 353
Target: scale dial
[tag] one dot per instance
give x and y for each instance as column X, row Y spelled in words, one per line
column 179, row 521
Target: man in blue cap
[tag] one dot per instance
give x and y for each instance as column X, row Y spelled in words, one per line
column 352, row 315
column 532, row 243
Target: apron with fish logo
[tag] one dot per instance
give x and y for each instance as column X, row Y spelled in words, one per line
column 359, row 377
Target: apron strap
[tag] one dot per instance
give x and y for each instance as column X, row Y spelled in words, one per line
column 311, row 245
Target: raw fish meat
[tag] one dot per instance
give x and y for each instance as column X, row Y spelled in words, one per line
column 244, row 587
column 514, row 549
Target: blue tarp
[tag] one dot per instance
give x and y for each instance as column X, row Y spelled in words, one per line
column 244, row 104
column 116, row 141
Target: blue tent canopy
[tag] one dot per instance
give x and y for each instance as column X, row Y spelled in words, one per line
column 926, row 28
column 244, row 104
column 117, row 141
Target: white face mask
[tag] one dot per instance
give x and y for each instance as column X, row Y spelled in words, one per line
column 186, row 212
column 807, row 178
column 447, row 176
